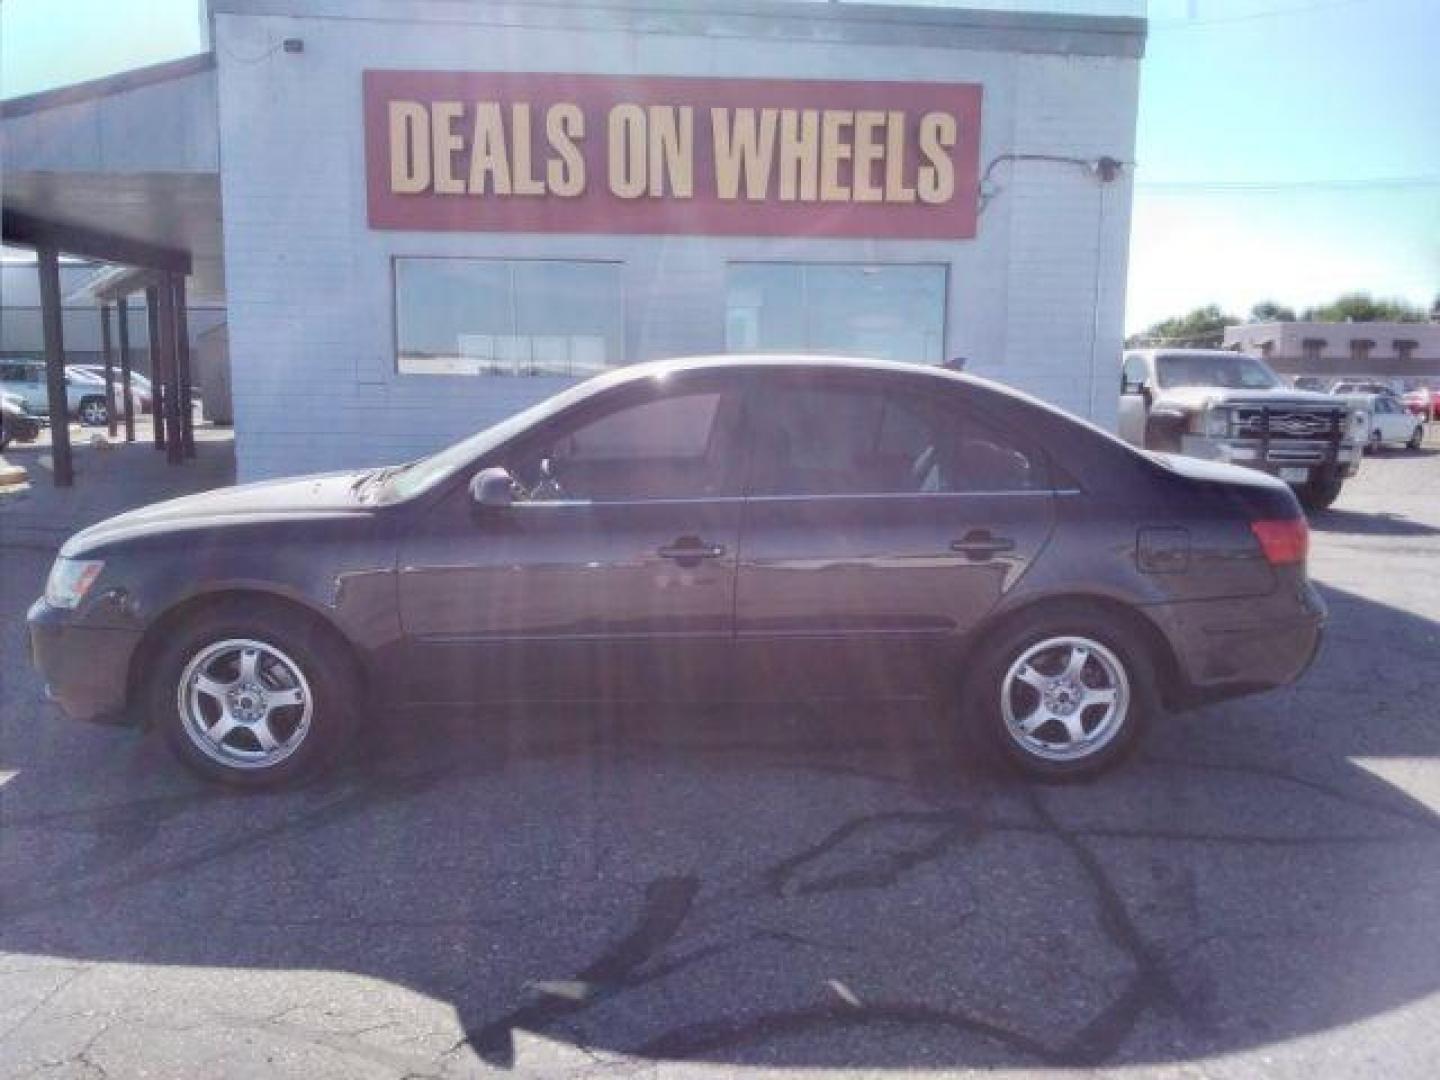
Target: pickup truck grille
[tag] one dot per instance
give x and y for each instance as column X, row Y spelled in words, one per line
column 1286, row 422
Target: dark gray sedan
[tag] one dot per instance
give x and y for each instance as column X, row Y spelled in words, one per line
column 737, row 528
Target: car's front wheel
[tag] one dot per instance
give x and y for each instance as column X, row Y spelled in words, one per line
column 1319, row 494
column 1063, row 694
column 254, row 699
column 1417, row 437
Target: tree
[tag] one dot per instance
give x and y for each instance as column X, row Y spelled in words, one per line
column 1362, row 307
column 1202, row 328
column 1270, row 311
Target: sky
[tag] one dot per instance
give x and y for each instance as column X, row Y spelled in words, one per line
column 1287, row 150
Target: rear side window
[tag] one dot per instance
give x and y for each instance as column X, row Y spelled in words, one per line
column 858, row 439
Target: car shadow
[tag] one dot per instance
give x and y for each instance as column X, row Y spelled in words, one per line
column 1364, row 523
column 827, row 885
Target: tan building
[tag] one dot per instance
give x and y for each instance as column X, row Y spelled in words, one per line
column 1409, row 352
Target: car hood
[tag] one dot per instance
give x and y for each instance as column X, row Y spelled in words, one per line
column 1198, row 397
column 323, row 495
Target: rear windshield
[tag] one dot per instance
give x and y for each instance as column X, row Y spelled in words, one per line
column 1235, row 372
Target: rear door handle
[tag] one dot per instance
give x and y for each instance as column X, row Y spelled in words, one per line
column 979, row 544
column 690, row 550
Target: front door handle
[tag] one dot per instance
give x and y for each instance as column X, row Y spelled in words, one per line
column 979, row 545
column 689, row 550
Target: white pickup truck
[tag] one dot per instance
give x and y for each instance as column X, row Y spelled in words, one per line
column 1229, row 406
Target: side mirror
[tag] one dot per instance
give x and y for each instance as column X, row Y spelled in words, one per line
column 493, row 488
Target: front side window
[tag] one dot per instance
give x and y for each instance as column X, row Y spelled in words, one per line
column 677, row 446
column 860, row 440
column 507, row 317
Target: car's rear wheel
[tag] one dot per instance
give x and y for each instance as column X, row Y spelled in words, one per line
column 1417, row 437
column 1062, row 694
column 1375, row 442
column 253, row 698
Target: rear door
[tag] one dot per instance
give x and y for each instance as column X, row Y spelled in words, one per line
column 882, row 522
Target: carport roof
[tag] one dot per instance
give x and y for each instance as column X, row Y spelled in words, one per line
column 127, row 163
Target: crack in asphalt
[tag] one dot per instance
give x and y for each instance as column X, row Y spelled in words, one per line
column 667, row 902
column 1152, row 985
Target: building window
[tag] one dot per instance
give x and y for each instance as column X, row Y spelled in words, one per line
column 1405, row 349
column 507, row 317
column 1360, row 350
column 894, row 312
column 1310, row 349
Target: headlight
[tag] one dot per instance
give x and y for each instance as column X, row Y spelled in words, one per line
column 70, row 580
column 1216, row 422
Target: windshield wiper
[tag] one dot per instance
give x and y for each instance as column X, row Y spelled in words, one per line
column 377, row 476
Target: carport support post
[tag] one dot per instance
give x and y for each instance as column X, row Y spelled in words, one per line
column 122, row 320
column 109, row 355
column 174, row 446
column 182, row 364
column 157, row 365
column 48, row 265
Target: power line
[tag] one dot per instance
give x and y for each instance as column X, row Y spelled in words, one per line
column 1273, row 13
column 1380, row 183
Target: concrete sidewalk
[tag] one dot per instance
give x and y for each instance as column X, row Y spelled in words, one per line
column 110, row 477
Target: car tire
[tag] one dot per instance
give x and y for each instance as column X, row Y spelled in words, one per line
column 1417, row 438
column 93, row 412
column 282, row 685
column 1002, row 700
column 1319, row 494
column 1375, row 442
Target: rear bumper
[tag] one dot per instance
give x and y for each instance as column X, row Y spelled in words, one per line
column 1227, row 648
column 86, row 668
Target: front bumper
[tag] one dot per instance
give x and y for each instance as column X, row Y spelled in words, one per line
column 1226, row 648
column 86, row 668
column 1319, row 459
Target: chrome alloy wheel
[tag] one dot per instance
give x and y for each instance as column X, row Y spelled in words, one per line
column 1065, row 698
column 93, row 412
column 244, row 703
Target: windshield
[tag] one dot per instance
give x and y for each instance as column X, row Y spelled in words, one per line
column 1234, row 371
column 420, row 476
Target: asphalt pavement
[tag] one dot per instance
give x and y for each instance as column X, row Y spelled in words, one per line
column 798, row 891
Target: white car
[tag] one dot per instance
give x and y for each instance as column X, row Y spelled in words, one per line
column 25, row 378
column 1389, row 422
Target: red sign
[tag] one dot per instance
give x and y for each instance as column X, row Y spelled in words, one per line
column 599, row 153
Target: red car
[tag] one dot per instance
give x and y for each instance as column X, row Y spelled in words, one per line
column 1424, row 401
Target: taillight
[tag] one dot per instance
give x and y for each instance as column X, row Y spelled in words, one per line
column 1284, row 541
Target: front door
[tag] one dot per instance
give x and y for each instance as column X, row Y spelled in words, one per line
column 881, row 526
column 611, row 577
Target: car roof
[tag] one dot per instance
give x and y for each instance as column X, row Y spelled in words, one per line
column 791, row 361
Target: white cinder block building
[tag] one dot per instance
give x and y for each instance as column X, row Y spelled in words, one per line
column 435, row 212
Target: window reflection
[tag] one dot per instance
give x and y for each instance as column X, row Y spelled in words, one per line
column 507, row 317
column 894, row 312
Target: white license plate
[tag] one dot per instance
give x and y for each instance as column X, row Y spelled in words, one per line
column 1295, row 476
